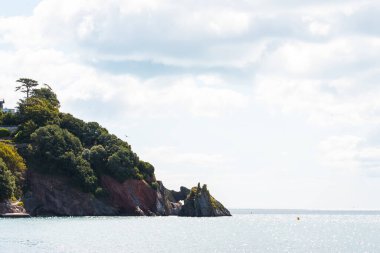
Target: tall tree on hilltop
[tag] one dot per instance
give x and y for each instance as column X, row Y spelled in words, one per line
column 26, row 86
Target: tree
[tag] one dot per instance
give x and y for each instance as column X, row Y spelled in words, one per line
column 98, row 158
column 47, row 94
column 147, row 170
column 7, row 182
column 122, row 165
column 16, row 166
column 51, row 142
column 40, row 111
column 56, row 151
column 26, row 86
column 75, row 126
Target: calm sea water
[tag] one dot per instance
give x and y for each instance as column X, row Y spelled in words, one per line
column 261, row 231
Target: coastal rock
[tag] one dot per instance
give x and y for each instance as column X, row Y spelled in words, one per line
column 166, row 203
column 200, row 203
column 55, row 196
column 181, row 195
column 132, row 197
column 9, row 207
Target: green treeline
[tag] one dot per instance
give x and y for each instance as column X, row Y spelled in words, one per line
column 59, row 144
column 12, row 172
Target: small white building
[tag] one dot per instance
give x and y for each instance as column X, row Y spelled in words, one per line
column 6, row 110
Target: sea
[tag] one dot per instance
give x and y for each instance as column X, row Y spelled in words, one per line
column 248, row 230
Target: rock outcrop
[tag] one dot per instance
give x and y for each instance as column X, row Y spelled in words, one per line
column 132, row 197
column 200, row 203
column 9, row 207
column 166, row 203
column 55, row 196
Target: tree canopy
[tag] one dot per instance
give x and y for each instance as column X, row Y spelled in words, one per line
column 26, row 85
column 14, row 169
column 63, row 145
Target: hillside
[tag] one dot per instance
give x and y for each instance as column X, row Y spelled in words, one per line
column 56, row 164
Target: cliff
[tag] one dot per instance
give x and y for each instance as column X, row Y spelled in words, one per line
column 63, row 166
column 55, row 196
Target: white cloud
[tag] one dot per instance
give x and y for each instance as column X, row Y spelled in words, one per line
column 164, row 96
column 350, row 154
column 182, row 93
column 317, row 28
column 317, row 59
column 171, row 155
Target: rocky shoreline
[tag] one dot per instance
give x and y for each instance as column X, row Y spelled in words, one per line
column 54, row 196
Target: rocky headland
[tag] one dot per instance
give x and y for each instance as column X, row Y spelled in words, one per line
column 53, row 164
column 54, row 196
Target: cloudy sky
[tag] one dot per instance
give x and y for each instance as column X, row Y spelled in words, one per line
column 272, row 104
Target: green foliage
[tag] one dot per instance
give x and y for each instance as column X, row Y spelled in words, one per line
column 154, row 185
column 9, row 119
column 7, row 182
column 98, row 158
column 15, row 164
column 25, row 130
column 84, row 176
column 92, row 133
column 61, row 144
column 46, row 94
column 57, row 151
column 52, row 141
column 4, row 133
column 26, row 86
column 147, row 170
column 39, row 110
column 100, row 193
column 122, row 165
column 73, row 125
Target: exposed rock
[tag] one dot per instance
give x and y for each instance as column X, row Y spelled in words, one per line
column 181, row 195
column 132, row 197
column 200, row 203
column 166, row 203
column 53, row 195
column 8, row 207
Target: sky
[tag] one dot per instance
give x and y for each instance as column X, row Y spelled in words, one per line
column 272, row 104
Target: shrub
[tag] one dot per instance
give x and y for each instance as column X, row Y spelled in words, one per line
column 100, row 193
column 122, row 165
column 147, row 171
column 25, row 130
column 4, row 133
column 10, row 119
column 15, row 164
column 57, row 151
column 7, row 182
column 154, row 185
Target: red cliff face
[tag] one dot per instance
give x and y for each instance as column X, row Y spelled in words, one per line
column 132, row 197
column 54, row 196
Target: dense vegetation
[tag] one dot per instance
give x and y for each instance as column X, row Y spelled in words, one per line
column 12, row 172
column 60, row 144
